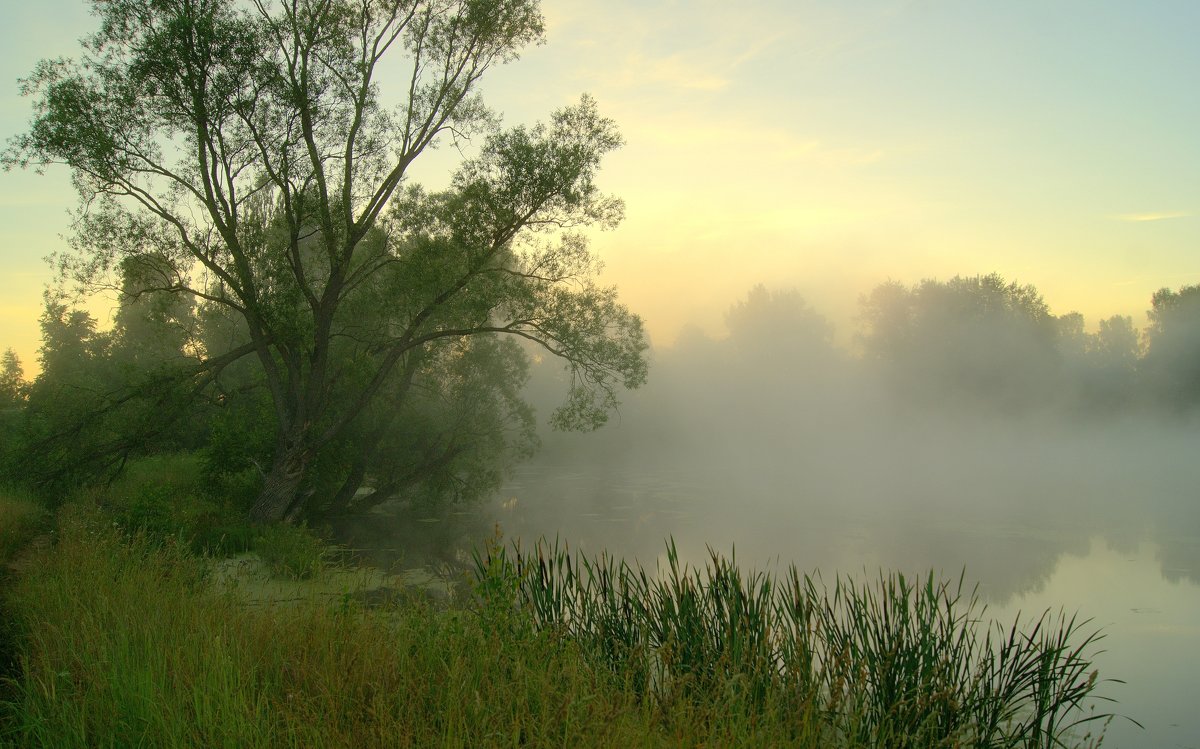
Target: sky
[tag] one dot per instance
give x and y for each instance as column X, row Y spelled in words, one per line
column 822, row 146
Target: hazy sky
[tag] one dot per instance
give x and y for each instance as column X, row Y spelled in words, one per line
column 828, row 146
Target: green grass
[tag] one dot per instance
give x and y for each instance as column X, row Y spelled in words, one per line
column 126, row 639
column 291, row 552
column 20, row 519
column 204, row 670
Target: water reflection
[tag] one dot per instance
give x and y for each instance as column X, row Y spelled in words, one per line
column 1104, row 522
column 1151, row 623
column 1058, row 533
column 1006, row 551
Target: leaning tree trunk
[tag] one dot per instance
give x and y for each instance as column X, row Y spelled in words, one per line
column 280, row 499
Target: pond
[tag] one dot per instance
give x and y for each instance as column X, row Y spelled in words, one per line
column 1106, row 524
column 1103, row 521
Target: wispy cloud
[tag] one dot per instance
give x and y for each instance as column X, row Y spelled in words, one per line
column 689, row 71
column 673, row 71
column 756, row 48
column 748, row 143
column 1151, row 216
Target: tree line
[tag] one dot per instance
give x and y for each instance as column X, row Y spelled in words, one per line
column 971, row 344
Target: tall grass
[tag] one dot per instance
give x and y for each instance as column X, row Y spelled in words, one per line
column 895, row 663
column 124, row 642
column 20, row 518
column 124, row 639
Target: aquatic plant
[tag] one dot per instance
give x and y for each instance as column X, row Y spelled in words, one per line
column 891, row 662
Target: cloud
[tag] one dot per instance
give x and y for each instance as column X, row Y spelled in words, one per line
column 673, row 71
column 1152, row 216
column 746, row 143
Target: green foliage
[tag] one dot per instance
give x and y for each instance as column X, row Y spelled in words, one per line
column 166, row 497
column 304, row 247
column 240, row 431
column 20, row 518
column 12, row 382
column 101, row 398
column 291, row 551
column 14, row 392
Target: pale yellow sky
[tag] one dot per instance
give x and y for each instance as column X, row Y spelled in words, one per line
column 817, row 145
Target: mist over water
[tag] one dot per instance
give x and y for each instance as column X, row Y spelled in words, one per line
column 1049, row 467
column 813, row 457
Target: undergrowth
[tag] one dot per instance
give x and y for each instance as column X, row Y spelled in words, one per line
column 20, row 518
column 124, row 639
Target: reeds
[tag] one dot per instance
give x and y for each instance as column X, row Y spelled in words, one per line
column 896, row 662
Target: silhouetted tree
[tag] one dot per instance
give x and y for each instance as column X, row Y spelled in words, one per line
column 977, row 338
column 1113, row 355
column 769, row 325
column 13, row 393
column 12, row 382
column 247, row 146
column 1099, row 369
column 64, row 428
column 1172, row 362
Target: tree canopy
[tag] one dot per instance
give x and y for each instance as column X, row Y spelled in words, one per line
column 977, row 337
column 242, row 155
column 1172, row 362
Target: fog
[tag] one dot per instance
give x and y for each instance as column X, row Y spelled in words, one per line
column 970, row 431
column 776, row 443
column 1043, row 463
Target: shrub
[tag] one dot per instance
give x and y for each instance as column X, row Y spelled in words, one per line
column 291, row 551
column 166, row 496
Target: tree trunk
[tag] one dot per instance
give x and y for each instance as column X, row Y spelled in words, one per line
column 279, row 499
column 341, row 500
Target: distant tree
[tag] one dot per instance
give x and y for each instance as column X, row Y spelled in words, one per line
column 1171, row 366
column 152, row 329
column 1098, row 369
column 979, row 338
column 1115, row 350
column 63, row 429
column 1072, row 338
column 779, row 327
column 13, row 393
column 247, row 148
column 12, row 382
column 104, row 396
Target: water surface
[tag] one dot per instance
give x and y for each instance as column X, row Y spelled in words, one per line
column 1103, row 522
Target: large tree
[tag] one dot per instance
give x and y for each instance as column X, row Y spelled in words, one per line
column 248, row 148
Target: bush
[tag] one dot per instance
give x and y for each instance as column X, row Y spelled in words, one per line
column 291, row 551
column 166, row 496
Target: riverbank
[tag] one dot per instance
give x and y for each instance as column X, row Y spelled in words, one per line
column 126, row 641
column 127, row 638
